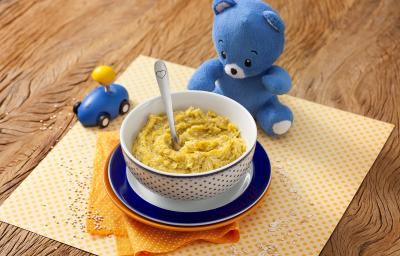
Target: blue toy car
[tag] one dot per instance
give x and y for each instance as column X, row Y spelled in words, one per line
column 105, row 102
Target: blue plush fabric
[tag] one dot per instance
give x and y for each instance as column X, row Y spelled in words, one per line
column 249, row 37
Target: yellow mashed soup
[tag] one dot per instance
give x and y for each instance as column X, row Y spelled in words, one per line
column 208, row 141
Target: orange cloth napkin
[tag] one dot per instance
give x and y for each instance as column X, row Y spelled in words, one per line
column 133, row 237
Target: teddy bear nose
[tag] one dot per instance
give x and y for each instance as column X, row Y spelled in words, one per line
column 233, row 71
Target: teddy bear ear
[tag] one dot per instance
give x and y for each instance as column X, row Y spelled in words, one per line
column 274, row 21
column 221, row 5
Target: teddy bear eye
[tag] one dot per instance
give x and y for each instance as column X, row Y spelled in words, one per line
column 247, row 63
column 223, row 54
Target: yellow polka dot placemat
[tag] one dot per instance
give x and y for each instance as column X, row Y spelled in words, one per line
column 316, row 169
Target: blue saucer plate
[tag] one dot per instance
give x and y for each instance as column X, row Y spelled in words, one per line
column 254, row 190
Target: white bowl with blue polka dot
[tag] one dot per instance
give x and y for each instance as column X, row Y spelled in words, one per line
column 197, row 185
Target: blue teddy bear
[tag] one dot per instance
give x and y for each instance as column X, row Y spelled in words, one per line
column 249, row 37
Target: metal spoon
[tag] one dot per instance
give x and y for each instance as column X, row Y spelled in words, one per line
column 160, row 70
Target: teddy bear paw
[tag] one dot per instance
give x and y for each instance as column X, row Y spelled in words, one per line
column 281, row 127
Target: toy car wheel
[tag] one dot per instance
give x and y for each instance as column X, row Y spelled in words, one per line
column 76, row 106
column 124, row 107
column 104, row 121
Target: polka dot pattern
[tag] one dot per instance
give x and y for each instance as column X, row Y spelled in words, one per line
column 316, row 170
column 191, row 188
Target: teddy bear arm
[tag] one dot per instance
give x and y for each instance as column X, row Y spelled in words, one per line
column 205, row 76
column 277, row 81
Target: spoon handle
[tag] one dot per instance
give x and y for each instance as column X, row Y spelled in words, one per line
column 161, row 73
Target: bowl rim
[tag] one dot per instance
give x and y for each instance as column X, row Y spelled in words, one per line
column 128, row 153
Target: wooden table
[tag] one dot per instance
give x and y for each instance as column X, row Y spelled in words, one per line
column 344, row 54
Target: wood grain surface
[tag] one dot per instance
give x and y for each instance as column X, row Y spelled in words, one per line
column 344, row 54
